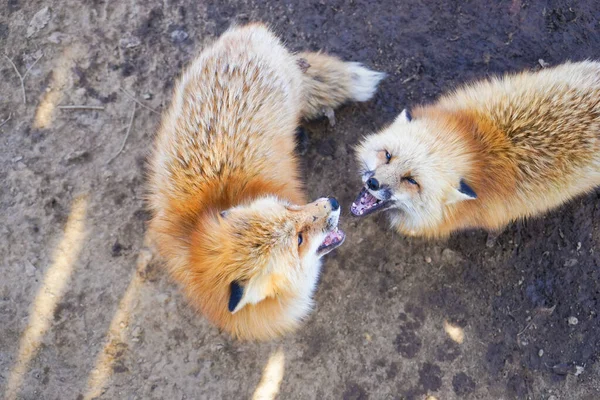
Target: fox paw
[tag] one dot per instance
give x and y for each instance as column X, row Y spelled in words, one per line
column 330, row 114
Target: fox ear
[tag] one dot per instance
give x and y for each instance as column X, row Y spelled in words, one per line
column 463, row 192
column 404, row 116
column 251, row 293
column 235, row 297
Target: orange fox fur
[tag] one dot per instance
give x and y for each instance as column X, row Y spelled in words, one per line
column 489, row 153
column 224, row 188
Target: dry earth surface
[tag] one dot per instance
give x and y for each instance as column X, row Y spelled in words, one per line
column 84, row 315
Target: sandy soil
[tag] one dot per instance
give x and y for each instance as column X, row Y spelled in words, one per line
column 76, row 319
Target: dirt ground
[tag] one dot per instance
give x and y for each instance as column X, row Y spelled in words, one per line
column 76, row 319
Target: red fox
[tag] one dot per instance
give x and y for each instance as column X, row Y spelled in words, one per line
column 487, row 154
column 228, row 211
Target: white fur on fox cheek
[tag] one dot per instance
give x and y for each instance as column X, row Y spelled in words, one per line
column 427, row 212
column 318, row 239
column 314, row 246
column 402, row 197
column 306, row 280
column 305, row 284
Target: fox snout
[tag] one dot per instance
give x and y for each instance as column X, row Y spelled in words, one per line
column 373, row 184
column 325, row 211
column 324, row 217
column 366, row 175
column 334, row 215
column 334, row 204
column 328, row 204
column 379, row 190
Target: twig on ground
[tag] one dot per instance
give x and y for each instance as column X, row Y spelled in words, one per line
column 74, row 107
column 22, row 77
column 126, row 135
column 132, row 97
column 6, row 120
column 410, row 78
column 526, row 327
column 32, row 65
column 540, row 311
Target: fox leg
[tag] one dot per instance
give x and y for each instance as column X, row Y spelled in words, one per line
column 328, row 82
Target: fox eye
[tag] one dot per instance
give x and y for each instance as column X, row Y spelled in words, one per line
column 388, row 156
column 300, row 239
column 411, row 180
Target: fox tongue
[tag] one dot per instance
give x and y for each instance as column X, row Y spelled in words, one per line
column 364, row 201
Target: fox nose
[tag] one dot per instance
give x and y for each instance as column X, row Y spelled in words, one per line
column 373, row 184
column 334, row 204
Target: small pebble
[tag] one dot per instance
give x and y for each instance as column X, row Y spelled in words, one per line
column 136, row 334
column 571, row 262
column 79, row 93
column 540, row 352
column 129, row 42
column 573, row 321
column 163, row 298
column 428, row 260
column 179, row 36
column 57, row 37
column 39, row 21
column 552, row 397
column 450, row 256
column 561, row 369
column 30, row 269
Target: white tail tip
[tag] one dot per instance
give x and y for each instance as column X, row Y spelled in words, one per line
column 364, row 81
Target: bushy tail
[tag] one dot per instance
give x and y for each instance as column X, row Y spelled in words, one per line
column 328, row 82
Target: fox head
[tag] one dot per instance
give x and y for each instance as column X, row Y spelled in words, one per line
column 414, row 170
column 258, row 264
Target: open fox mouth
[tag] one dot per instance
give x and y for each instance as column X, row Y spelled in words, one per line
column 366, row 204
column 333, row 239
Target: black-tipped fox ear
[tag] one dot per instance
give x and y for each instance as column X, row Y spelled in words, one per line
column 463, row 192
column 251, row 292
column 466, row 189
column 405, row 116
column 237, row 292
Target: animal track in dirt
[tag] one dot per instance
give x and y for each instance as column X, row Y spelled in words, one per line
column 408, row 342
